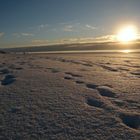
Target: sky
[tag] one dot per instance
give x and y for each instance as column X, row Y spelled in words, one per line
column 41, row 22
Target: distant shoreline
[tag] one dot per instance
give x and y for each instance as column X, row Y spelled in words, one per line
column 77, row 48
column 86, row 51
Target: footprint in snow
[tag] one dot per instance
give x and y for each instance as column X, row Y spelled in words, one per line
column 9, row 79
column 131, row 120
column 94, row 102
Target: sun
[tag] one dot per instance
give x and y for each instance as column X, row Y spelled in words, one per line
column 127, row 34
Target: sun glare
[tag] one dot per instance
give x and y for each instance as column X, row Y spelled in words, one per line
column 127, row 34
column 126, row 51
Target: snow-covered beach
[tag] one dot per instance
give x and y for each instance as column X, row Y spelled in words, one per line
column 92, row 96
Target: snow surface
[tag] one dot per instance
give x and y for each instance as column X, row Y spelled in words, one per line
column 70, row 96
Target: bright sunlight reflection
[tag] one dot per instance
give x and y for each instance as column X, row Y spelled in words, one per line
column 126, row 51
column 127, row 34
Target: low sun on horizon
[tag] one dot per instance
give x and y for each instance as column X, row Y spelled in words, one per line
column 127, row 34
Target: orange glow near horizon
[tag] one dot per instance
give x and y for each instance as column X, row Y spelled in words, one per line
column 127, row 34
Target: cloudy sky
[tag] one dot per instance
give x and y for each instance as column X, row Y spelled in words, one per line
column 40, row 22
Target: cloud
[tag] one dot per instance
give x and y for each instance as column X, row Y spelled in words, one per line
column 138, row 36
column 43, row 42
column 39, row 42
column 42, row 26
column 27, row 34
column 69, row 40
column 18, row 35
column 71, row 27
column 68, row 28
column 100, row 39
column 69, row 22
column 2, row 34
column 90, row 27
column 106, row 38
column 78, row 27
column 39, row 27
